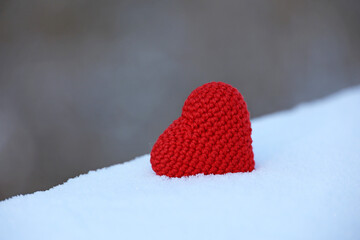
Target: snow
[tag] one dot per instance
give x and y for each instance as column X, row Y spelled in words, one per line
column 306, row 186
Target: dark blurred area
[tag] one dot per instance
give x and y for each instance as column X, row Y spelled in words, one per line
column 88, row 84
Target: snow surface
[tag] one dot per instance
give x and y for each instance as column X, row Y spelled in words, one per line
column 306, row 186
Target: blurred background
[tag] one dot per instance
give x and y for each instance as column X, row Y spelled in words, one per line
column 88, row 84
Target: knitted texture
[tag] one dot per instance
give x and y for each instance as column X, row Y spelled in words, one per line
column 212, row 135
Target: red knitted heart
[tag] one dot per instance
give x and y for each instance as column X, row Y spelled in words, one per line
column 212, row 136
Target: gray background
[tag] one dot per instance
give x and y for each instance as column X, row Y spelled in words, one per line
column 87, row 84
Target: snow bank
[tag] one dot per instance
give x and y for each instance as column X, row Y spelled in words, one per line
column 306, row 186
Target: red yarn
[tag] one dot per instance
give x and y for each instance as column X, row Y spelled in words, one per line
column 212, row 136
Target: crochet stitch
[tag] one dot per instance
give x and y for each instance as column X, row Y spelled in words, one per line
column 212, row 135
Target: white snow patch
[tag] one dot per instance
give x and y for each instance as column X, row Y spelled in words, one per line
column 306, row 186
